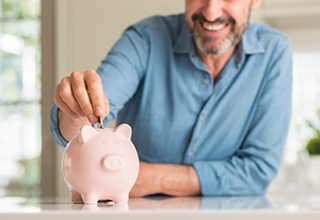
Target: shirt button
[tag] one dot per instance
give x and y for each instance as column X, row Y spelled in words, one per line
column 191, row 154
column 202, row 116
column 206, row 82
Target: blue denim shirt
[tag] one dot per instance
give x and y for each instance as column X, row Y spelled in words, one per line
column 232, row 131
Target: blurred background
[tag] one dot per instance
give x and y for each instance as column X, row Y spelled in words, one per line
column 43, row 40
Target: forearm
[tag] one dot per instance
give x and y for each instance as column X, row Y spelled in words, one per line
column 178, row 180
column 69, row 127
column 169, row 179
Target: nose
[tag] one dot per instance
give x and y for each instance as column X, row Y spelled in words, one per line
column 213, row 9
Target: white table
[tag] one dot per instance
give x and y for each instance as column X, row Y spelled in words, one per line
column 272, row 207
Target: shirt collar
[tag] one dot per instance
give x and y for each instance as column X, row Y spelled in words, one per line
column 249, row 43
column 184, row 43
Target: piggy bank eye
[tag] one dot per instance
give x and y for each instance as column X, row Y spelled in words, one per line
column 103, row 141
column 114, row 141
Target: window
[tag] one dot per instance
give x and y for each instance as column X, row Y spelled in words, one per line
column 295, row 172
column 306, row 102
column 20, row 121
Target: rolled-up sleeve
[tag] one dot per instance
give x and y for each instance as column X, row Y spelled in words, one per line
column 54, row 127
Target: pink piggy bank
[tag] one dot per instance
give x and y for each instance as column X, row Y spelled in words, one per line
column 101, row 164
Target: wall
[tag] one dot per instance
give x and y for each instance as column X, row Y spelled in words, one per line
column 299, row 19
column 87, row 29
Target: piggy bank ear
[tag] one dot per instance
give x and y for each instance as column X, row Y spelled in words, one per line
column 124, row 130
column 86, row 133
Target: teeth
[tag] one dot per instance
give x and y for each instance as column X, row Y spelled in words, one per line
column 213, row 27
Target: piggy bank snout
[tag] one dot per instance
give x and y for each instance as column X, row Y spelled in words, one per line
column 113, row 163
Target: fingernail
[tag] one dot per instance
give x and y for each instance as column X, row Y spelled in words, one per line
column 92, row 119
column 98, row 111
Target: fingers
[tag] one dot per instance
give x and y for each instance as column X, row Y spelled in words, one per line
column 60, row 92
column 81, row 95
column 96, row 93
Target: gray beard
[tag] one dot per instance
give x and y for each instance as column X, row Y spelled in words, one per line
column 231, row 40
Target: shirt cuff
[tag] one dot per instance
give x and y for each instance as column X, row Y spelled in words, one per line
column 54, row 127
column 207, row 178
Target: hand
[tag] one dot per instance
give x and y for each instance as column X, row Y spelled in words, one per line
column 81, row 95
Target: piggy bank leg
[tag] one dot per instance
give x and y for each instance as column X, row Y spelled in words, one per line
column 91, row 198
column 76, row 197
column 121, row 198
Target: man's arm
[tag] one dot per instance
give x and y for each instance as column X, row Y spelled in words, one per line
column 169, row 179
column 81, row 97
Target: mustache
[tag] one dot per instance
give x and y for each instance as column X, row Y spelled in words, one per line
column 221, row 20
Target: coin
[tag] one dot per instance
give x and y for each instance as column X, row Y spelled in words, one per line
column 100, row 123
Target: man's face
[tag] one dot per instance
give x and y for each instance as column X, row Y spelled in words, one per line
column 217, row 25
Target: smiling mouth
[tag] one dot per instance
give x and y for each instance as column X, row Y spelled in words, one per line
column 213, row 27
column 216, row 25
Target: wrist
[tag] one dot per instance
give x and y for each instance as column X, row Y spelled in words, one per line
column 69, row 126
column 63, row 117
column 176, row 180
column 159, row 178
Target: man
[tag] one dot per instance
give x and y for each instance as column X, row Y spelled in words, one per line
column 208, row 97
